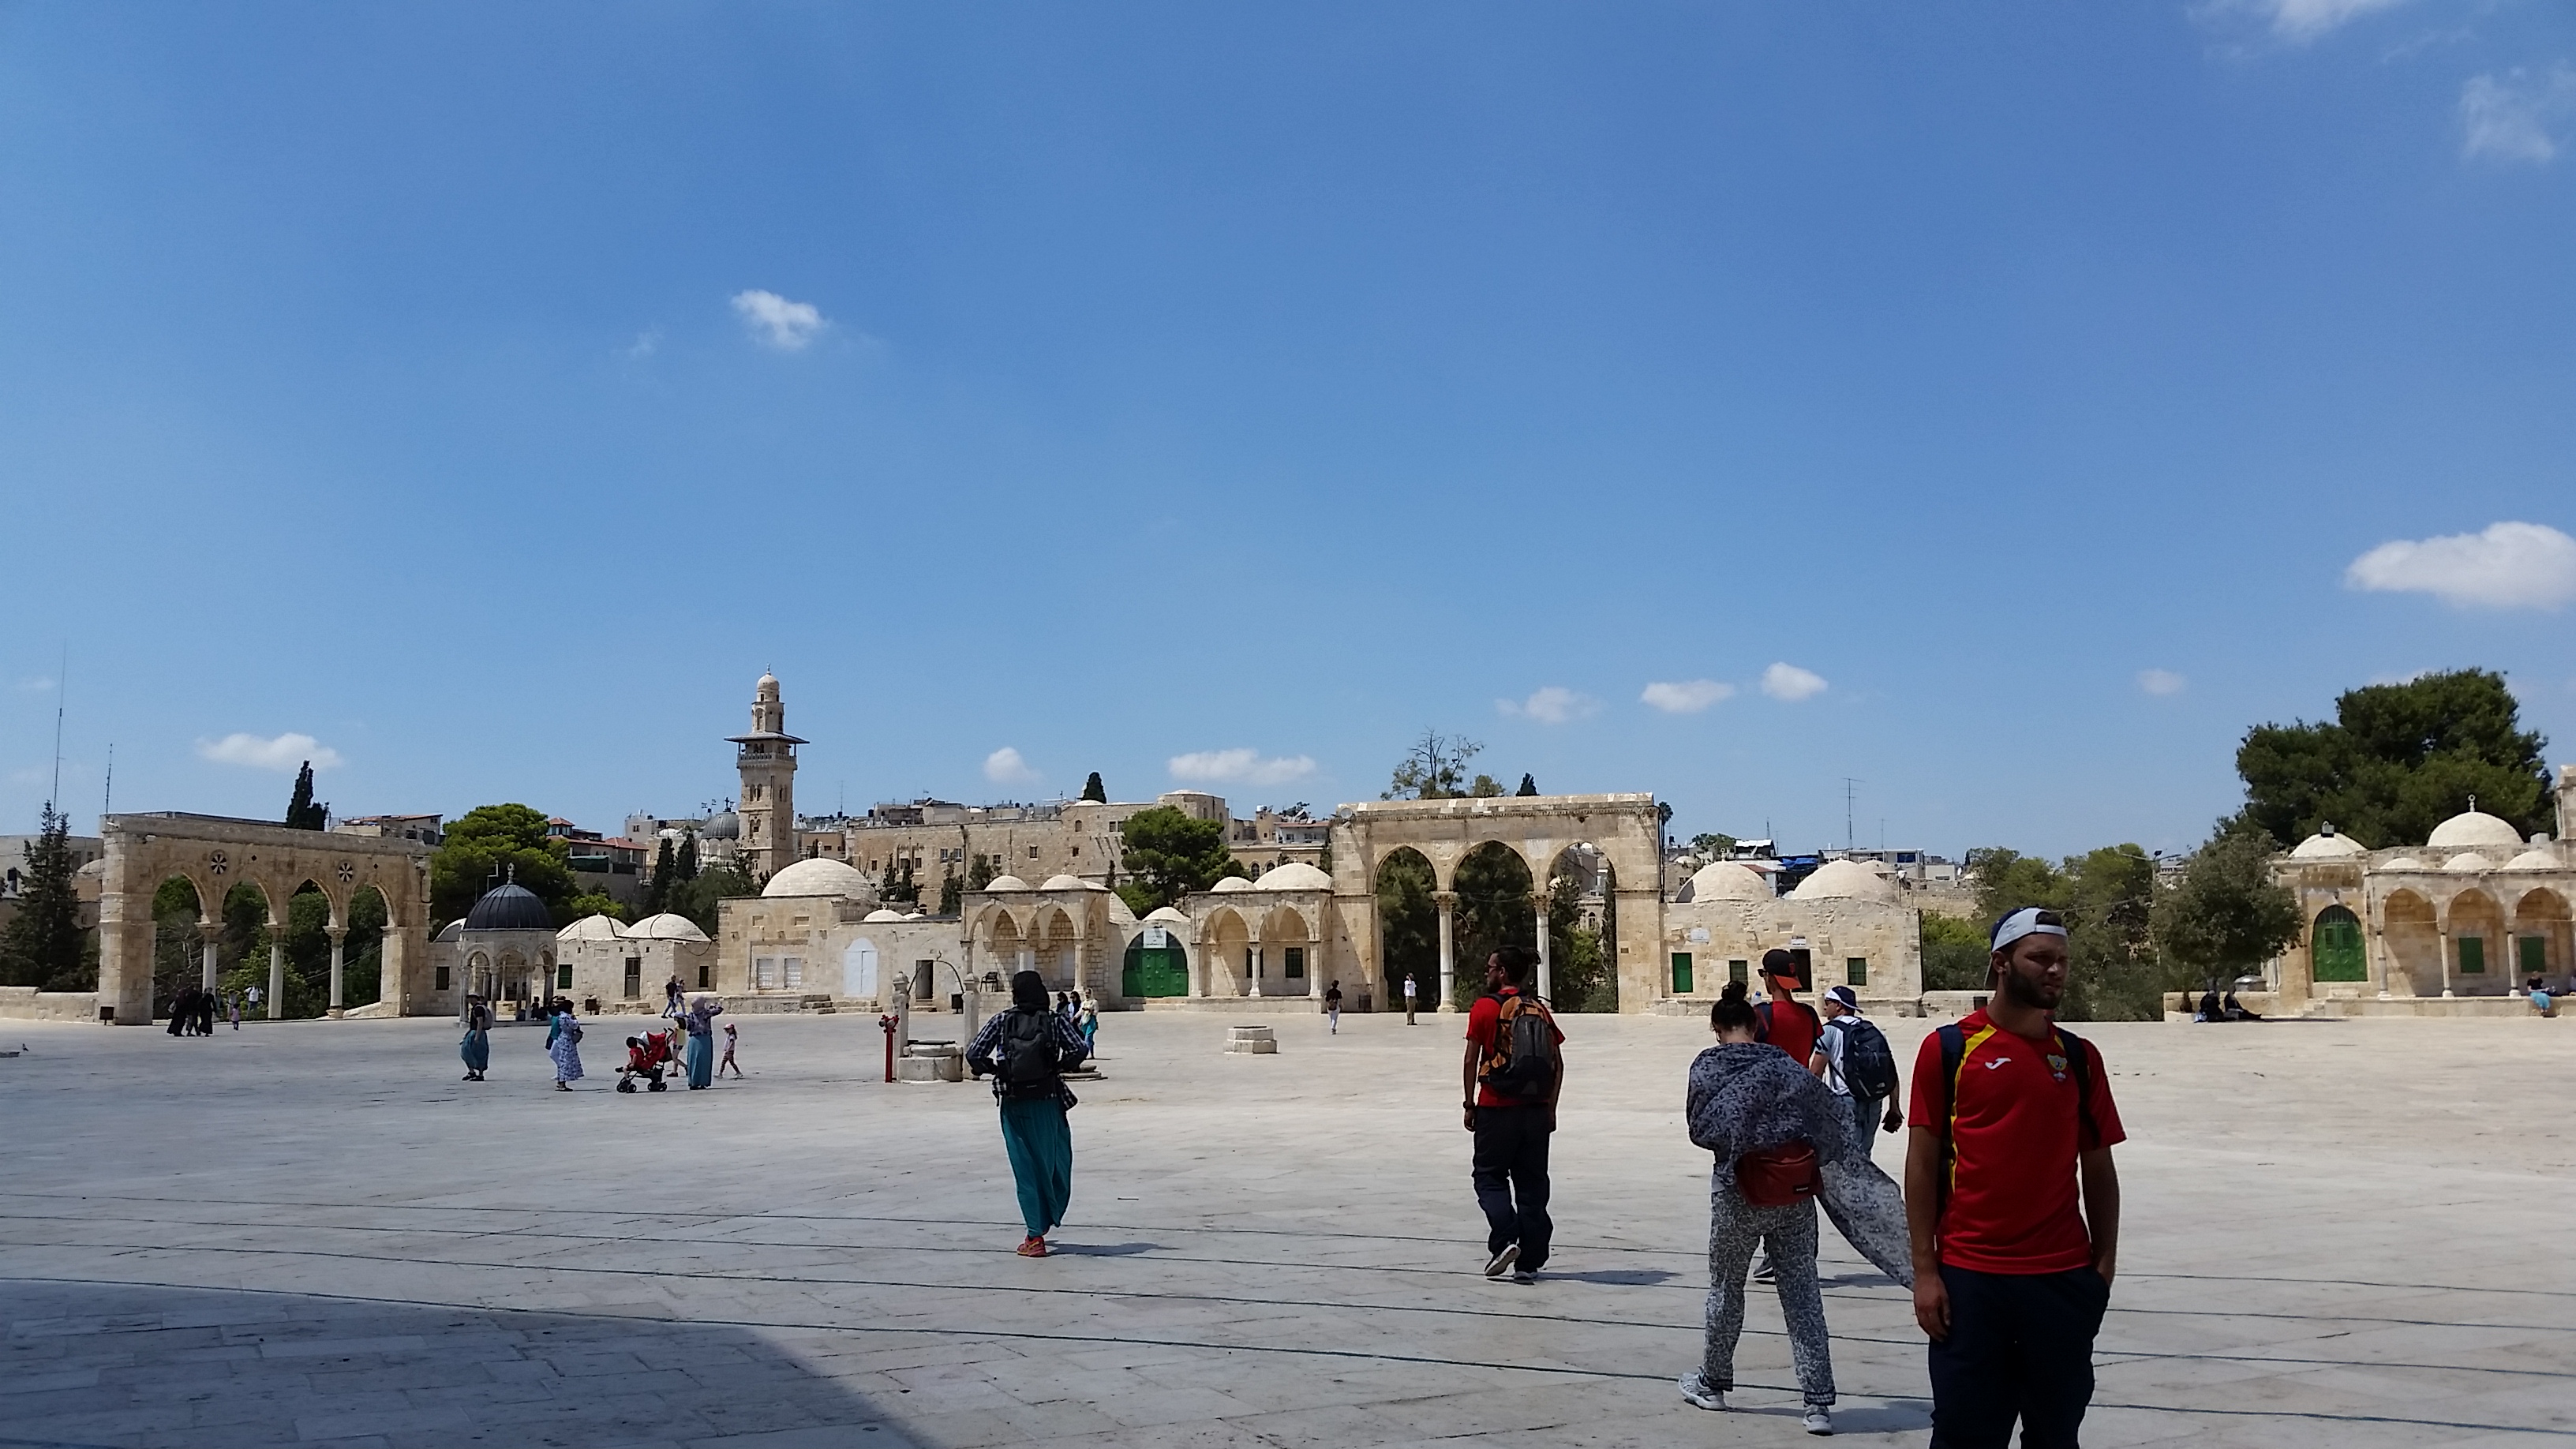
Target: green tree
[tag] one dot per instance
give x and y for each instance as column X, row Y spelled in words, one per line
column 697, row 896
column 1092, row 789
column 594, row 903
column 2398, row 760
column 1578, row 968
column 1955, row 957
column 2227, row 915
column 952, row 893
column 1409, row 928
column 301, row 811
column 484, row 843
column 1494, row 909
column 1709, row 846
column 1528, row 787
column 43, row 945
column 1484, row 787
column 2107, row 897
column 666, row 869
column 1168, row 855
column 1434, row 768
column 980, row 872
column 687, row 861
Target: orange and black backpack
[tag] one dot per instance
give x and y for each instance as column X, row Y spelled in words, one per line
column 1522, row 1063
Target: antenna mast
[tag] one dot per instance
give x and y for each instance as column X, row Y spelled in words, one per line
column 1850, row 842
column 61, row 687
column 109, row 804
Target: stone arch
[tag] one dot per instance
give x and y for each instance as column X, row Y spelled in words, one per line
column 1003, row 941
column 1405, row 884
column 1290, row 950
column 2541, row 915
column 1496, row 907
column 2474, row 922
column 368, row 929
column 2410, row 935
column 2336, row 951
column 1057, row 942
column 1225, row 946
column 1578, row 927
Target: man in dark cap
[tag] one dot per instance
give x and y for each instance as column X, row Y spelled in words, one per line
column 1026, row 1051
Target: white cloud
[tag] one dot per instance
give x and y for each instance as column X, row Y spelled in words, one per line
column 2509, row 566
column 1550, row 705
column 1688, row 696
column 285, row 753
column 1239, row 767
column 2305, row 20
column 782, row 324
column 2161, row 681
column 1789, row 682
column 2508, row 118
column 1005, row 767
column 649, row 341
column 37, row 685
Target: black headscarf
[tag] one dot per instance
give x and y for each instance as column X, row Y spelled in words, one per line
column 1029, row 991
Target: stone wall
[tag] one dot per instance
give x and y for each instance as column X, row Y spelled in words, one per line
column 26, row 1003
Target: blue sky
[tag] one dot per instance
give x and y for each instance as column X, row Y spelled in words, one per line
column 1212, row 397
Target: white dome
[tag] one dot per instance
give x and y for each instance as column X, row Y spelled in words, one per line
column 1726, row 881
column 2326, row 847
column 1065, row 883
column 2474, row 828
column 916, row 916
column 590, row 928
column 1007, row 883
column 665, row 927
column 819, row 876
column 2469, row 860
column 1848, row 880
column 1296, row 875
column 1231, row 884
column 2533, row 859
column 882, row 914
column 2403, row 862
column 1166, row 913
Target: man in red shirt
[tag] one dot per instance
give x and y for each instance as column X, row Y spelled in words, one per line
column 1511, row 1107
column 2010, row 1280
column 1787, row 1023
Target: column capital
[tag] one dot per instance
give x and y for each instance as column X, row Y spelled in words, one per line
column 336, row 933
column 1445, row 900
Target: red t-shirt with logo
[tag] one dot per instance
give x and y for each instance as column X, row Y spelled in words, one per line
column 2013, row 1201
column 1485, row 1029
column 1792, row 1026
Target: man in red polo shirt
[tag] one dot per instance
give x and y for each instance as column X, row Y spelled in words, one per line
column 2010, row 1279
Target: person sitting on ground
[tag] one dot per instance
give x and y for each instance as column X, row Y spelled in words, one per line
column 2235, row 1010
column 1026, row 1051
column 2210, row 1010
column 2541, row 1004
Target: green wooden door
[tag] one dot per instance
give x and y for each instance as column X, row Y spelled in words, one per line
column 1681, row 973
column 2336, row 953
column 1154, row 971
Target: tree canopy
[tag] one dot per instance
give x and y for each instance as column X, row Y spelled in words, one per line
column 2398, row 760
column 2227, row 915
column 1170, row 854
column 43, row 945
column 1434, row 767
column 1092, row 789
column 2108, row 898
column 481, row 844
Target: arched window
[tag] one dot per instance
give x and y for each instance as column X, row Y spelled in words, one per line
column 2335, row 947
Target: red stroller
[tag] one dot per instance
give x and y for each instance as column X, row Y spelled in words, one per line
column 646, row 1057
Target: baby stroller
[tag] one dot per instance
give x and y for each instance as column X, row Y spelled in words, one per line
column 646, row 1056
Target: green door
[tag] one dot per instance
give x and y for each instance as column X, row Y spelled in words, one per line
column 1154, row 971
column 2473, row 955
column 2335, row 953
column 2535, row 955
column 1681, row 973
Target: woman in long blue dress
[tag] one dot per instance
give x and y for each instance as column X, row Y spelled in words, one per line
column 476, row 1049
column 699, row 1020
column 563, row 1043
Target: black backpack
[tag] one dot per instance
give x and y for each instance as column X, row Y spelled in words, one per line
column 1523, row 1063
column 1869, row 1065
column 1030, row 1057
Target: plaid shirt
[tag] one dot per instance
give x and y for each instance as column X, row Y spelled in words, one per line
column 1070, row 1048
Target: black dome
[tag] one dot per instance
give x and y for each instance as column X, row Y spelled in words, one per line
column 509, row 908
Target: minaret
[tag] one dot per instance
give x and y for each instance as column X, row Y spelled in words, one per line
column 768, row 764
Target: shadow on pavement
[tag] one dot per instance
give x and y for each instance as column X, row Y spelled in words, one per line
column 136, row 1365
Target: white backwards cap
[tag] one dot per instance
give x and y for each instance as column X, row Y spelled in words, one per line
column 2028, row 921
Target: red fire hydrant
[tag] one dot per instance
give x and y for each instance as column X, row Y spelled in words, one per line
column 888, row 1023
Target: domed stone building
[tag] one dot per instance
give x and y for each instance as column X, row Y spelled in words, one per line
column 503, row 951
column 1848, row 914
column 612, row 967
column 2454, row 926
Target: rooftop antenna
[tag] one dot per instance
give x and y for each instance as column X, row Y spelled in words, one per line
column 1848, row 783
column 109, row 804
column 60, row 677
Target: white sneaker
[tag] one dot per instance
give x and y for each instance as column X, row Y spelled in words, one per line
column 1503, row 1260
column 1695, row 1390
column 1818, row 1421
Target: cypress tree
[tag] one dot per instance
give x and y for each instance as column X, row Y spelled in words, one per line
column 689, row 856
column 302, row 813
column 41, row 945
column 1092, row 789
column 1528, row 786
column 666, row 869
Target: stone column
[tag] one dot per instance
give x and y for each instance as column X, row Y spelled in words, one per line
column 210, row 930
column 1546, row 974
column 1254, row 965
column 339, row 939
column 276, row 973
column 1448, row 903
column 2447, row 949
column 1315, row 969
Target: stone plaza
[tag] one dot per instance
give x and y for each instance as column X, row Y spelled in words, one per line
column 2337, row 1232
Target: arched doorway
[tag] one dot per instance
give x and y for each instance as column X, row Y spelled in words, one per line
column 178, row 943
column 2540, row 936
column 1059, row 951
column 1408, row 928
column 362, row 950
column 2335, row 950
column 1156, row 965
column 2414, row 944
column 2479, row 966
column 1225, row 954
column 1583, row 929
column 1495, row 909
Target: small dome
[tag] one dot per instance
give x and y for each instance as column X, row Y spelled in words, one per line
column 590, row 928
column 1296, row 875
column 1007, row 883
column 665, row 927
column 449, row 932
column 1065, row 883
column 95, row 870
column 916, row 916
column 1727, row 881
column 2326, row 847
column 818, row 876
column 1845, row 880
column 2533, row 859
column 767, row 688
column 2474, row 828
column 2403, row 862
column 881, row 914
column 510, row 907
column 724, row 825
column 2469, row 860
column 1168, row 915
column 1233, row 883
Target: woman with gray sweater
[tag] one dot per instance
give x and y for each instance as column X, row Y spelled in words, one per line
column 1781, row 1146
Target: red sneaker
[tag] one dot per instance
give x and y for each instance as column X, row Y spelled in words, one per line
column 1033, row 1248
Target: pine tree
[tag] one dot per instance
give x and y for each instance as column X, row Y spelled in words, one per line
column 666, row 872
column 689, row 856
column 41, row 946
column 952, row 893
column 301, row 811
column 1528, row 786
column 1092, row 789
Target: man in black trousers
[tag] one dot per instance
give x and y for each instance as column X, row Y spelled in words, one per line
column 1513, row 1075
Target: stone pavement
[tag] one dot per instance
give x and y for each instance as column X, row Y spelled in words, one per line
column 2340, row 1233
